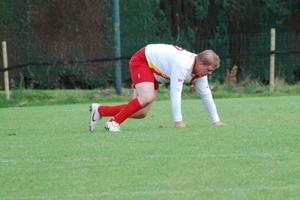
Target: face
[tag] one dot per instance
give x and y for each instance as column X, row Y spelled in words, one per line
column 203, row 70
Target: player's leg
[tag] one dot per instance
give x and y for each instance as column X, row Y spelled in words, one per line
column 146, row 95
column 143, row 81
column 144, row 99
column 144, row 111
column 109, row 111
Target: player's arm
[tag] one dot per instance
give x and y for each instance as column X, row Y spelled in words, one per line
column 176, row 84
column 207, row 99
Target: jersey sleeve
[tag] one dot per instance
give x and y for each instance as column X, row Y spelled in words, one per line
column 207, row 99
column 176, row 85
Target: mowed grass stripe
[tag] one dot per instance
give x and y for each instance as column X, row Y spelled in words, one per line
column 155, row 193
column 86, row 159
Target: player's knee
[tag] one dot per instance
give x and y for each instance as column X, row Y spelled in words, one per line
column 150, row 99
column 146, row 100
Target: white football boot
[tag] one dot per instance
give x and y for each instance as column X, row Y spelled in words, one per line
column 112, row 126
column 95, row 117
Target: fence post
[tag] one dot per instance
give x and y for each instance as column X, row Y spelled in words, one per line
column 5, row 65
column 117, row 47
column 272, row 60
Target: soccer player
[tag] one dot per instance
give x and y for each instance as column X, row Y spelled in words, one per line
column 161, row 63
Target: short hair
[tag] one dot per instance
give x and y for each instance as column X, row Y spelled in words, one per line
column 209, row 57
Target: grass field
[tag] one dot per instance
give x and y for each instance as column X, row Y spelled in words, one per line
column 47, row 152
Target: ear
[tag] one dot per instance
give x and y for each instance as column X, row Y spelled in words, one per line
column 200, row 64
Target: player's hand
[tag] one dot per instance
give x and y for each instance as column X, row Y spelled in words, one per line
column 219, row 124
column 179, row 124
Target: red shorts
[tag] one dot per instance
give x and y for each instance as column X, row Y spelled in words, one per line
column 139, row 69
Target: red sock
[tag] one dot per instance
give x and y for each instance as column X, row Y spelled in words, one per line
column 128, row 110
column 108, row 111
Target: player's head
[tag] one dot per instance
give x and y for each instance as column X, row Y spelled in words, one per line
column 206, row 62
column 209, row 57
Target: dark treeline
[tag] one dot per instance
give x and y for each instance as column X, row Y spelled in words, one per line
column 51, row 30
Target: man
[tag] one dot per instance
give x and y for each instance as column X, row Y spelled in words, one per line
column 161, row 63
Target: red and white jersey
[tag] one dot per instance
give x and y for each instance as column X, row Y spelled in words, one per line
column 175, row 65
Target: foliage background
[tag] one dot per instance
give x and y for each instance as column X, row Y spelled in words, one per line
column 48, row 31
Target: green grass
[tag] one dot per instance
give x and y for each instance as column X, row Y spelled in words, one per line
column 58, row 97
column 47, row 152
column 31, row 97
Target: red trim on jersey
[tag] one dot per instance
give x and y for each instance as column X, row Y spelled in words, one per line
column 194, row 77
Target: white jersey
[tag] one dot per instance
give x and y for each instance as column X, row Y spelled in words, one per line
column 175, row 65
